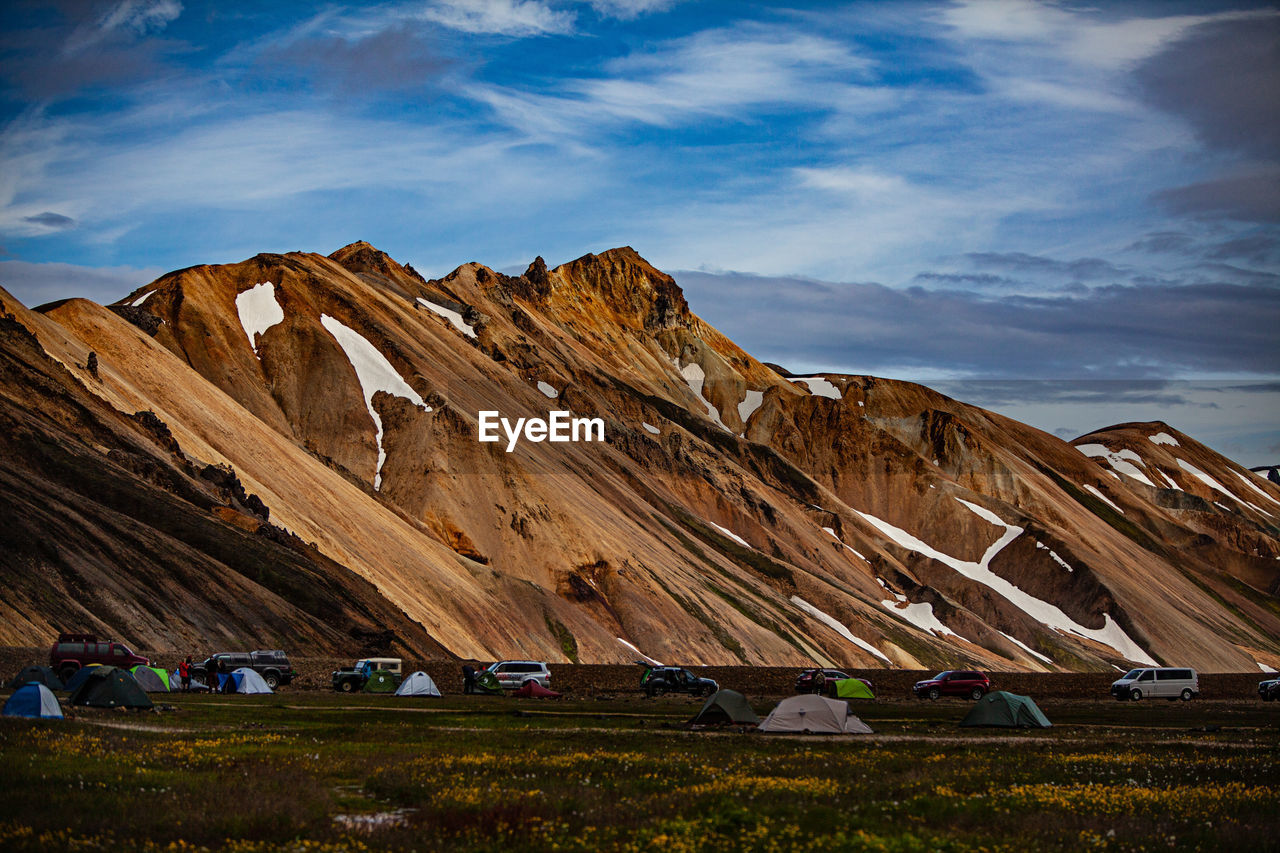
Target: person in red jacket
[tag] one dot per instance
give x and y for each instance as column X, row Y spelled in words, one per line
column 184, row 673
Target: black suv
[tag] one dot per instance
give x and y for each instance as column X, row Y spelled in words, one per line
column 674, row 679
column 1269, row 690
column 273, row 665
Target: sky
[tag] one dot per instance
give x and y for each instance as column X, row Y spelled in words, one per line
column 1066, row 212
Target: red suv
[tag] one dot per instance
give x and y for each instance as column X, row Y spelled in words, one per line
column 72, row 651
column 966, row 683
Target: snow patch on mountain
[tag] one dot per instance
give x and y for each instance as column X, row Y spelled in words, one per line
column 919, row 614
column 452, row 316
column 1253, row 486
column 1024, row 647
column 696, row 377
column 547, row 389
column 650, row 428
column 1100, row 496
column 1214, row 484
column 727, row 532
column 1120, row 460
column 1110, row 634
column 836, row 626
column 1056, row 558
column 1163, row 438
column 846, row 547
column 375, row 374
column 637, row 651
column 143, row 298
column 749, row 405
column 819, row 387
column 258, row 310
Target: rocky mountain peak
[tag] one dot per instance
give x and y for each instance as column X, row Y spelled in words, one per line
column 361, row 257
column 630, row 286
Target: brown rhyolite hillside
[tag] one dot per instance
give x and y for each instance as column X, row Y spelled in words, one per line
column 931, row 532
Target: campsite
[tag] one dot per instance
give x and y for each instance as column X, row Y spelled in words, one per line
column 321, row 770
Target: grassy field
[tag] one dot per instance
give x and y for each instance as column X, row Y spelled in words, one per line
column 318, row 772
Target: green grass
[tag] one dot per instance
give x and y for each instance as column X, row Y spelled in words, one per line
column 492, row 773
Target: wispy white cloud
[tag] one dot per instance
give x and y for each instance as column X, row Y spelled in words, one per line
column 499, row 17
column 726, row 73
column 628, row 9
column 128, row 17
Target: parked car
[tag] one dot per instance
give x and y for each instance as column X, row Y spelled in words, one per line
column 961, row 682
column 674, row 679
column 1157, row 682
column 73, row 651
column 512, row 674
column 804, row 681
column 272, row 664
column 1269, row 690
column 354, row 678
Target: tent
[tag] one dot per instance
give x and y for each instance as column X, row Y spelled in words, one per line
column 38, row 675
column 110, row 687
column 33, row 699
column 487, row 682
column 380, row 681
column 853, row 688
column 1008, row 710
column 815, row 715
column 81, row 675
column 418, row 684
column 243, row 680
column 725, row 706
column 150, row 679
column 533, row 690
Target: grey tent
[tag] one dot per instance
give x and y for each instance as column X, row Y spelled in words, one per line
column 1007, row 710
column 814, row 715
column 725, row 706
column 418, row 684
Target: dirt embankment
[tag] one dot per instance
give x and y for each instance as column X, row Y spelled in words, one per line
column 612, row 679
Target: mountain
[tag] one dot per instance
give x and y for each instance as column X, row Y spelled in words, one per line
column 285, row 450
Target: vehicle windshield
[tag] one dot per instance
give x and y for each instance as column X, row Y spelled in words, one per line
column 941, row 676
column 1130, row 675
column 689, row 676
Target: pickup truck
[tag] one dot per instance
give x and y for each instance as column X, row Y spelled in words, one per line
column 273, row 665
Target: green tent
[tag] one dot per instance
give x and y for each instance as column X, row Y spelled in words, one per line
column 151, row 679
column 487, row 682
column 110, row 687
column 853, row 688
column 1008, row 710
column 380, row 681
column 725, row 706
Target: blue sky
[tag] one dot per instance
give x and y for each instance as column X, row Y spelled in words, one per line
column 1068, row 213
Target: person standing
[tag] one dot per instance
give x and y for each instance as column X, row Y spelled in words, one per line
column 468, row 679
column 184, row 674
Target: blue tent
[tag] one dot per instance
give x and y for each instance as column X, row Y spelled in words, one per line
column 33, row 700
column 81, row 676
column 242, row 680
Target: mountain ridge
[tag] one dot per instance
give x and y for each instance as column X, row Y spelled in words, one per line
column 733, row 515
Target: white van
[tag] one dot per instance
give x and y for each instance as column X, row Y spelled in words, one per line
column 1157, row 683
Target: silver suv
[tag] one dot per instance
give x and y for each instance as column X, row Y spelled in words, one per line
column 512, row 674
